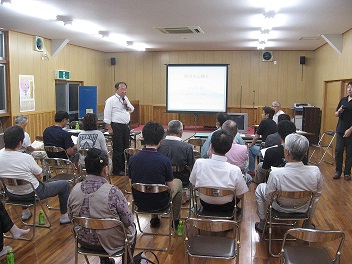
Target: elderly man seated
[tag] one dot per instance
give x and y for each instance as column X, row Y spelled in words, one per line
column 180, row 153
column 238, row 154
column 295, row 176
column 217, row 173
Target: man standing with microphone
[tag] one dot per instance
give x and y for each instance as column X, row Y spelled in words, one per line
column 117, row 117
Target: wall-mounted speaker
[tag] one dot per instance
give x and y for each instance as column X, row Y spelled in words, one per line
column 267, row 56
column 302, row 60
column 113, row 61
column 38, row 43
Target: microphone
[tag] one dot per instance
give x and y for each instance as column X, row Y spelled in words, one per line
column 123, row 100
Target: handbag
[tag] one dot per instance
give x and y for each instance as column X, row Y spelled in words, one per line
column 141, row 258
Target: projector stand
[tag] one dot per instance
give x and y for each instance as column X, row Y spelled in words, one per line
column 195, row 123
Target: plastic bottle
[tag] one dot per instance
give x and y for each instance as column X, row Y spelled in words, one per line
column 41, row 217
column 77, row 125
column 10, row 258
column 180, row 228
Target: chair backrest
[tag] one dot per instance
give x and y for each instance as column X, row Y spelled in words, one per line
column 39, row 138
column 214, row 192
column 150, row 188
column 196, row 141
column 54, row 149
column 297, row 195
column 180, row 168
column 11, row 182
column 83, row 152
column 97, row 224
column 211, row 225
column 316, row 236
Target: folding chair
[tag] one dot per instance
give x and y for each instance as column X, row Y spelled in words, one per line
column 60, row 169
column 153, row 189
column 99, row 224
column 196, row 143
column 81, row 164
column 277, row 218
column 128, row 153
column 53, row 149
column 317, row 252
column 323, row 146
column 203, row 240
column 10, row 183
column 200, row 212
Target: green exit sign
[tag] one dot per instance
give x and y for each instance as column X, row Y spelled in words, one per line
column 62, row 75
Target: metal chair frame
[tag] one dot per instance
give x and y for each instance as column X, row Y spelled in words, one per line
column 62, row 169
column 128, row 152
column 185, row 189
column 99, row 224
column 153, row 189
column 9, row 181
column 196, row 142
column 200, row 239
column 324, row 147
column 313, row 236
column 281, row 218
column 82, row 166
column 216, row 192
column 54, row 149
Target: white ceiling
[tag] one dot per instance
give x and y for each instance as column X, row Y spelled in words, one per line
column 227, row 24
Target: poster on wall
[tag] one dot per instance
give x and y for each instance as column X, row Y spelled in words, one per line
column 27, row 100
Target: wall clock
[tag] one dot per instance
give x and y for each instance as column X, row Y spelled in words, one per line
column 38, row 43
column 267, row 56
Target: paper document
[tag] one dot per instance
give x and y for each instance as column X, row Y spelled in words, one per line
column 37, row 144
column 262, row 151
column 74, row 139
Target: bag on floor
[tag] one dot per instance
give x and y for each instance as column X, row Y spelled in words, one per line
column 141, row 258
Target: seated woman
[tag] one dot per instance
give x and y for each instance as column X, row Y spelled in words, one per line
column 6, row 225
column 91, row 137
column 96, row 198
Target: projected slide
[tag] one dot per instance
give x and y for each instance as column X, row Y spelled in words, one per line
column 196, row 88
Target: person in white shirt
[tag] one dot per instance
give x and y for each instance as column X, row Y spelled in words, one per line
column 14, row 164
column 216, row 172
column 295, row 176
column 277, row 108
column 117, row 117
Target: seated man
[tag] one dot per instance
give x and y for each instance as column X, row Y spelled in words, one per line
column 274, row 139
column 220, row 119
column 149, row 166
column 238, row 154
column 14, row 164
column 295, row 176
column 37, row 153
column 180, row 153
column 277, row 108
column 96, row 198
column 56, row 136
column 266, row 127
column 218, row 173
column 274, row 156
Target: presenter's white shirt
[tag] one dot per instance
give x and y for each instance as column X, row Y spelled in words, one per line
column 115, row 111
column 14, row 164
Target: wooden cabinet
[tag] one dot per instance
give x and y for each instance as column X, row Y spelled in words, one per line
column 311, row 122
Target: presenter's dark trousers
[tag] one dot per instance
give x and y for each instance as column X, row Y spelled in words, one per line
column 120, row 141
column 341, row 144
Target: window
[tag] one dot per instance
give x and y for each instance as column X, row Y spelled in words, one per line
column 3, row 70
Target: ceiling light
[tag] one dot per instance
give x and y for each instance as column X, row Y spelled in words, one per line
column 264, row 37
column 32, row 8
column 129, row 43
column 268, row 23
column 6, row 2
column 261, row 45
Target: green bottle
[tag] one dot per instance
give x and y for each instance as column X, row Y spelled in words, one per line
column 180, row 228
column 77, row 125
column 41, row 217
column 10, row 258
